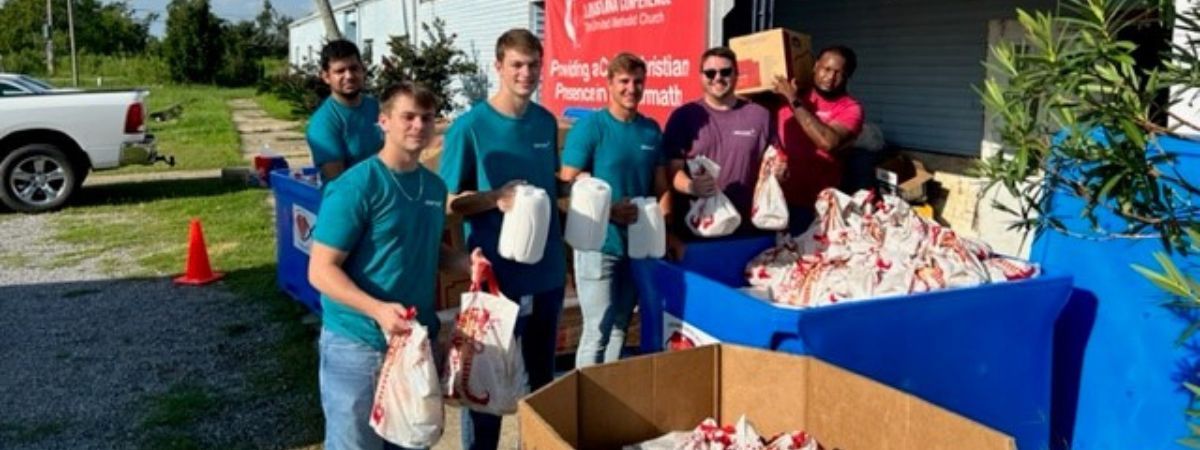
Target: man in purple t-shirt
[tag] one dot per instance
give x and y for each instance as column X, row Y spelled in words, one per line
column 729, row 130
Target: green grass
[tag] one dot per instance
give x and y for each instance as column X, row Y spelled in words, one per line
column 277, row 108
column 179, row 405
column 203, row 136
column 29, row 432
column 165, row 425
column 148, row 222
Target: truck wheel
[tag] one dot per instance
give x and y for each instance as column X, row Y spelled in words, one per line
column 36, row 178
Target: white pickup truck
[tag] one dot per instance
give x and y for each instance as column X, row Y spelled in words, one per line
column 51, row 140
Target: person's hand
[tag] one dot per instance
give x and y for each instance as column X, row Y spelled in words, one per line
column 786, row 88
column 393, row 318
column 780, row 170
column 479, row 264
column 704, row 185
column 623, row 213
column 504, row 195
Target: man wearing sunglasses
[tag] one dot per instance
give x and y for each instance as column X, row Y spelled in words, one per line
column 729, row 130
column 816, row 128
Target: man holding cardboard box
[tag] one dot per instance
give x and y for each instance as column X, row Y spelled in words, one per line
column 729, row 130
column 815, row 129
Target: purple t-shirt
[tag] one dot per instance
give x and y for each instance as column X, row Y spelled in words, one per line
column 734, row 139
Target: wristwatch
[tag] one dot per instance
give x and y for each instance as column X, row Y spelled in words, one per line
column 797, row 104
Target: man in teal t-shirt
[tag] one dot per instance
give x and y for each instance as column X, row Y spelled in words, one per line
column 489, row 150
column 344, row 130
column 623, row 148
column 376, row 250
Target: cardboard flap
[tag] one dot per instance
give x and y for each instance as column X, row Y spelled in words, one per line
column 642, row 398
column 767, row 387
column 848, row 411
column 549, row 418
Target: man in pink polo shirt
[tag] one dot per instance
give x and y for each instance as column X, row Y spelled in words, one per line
column 815, row 130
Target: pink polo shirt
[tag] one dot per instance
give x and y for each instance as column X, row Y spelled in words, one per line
column 812, row 169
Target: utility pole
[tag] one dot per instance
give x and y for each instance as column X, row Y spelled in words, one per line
column 326, row 12
column 74, row 61
column 49, row 34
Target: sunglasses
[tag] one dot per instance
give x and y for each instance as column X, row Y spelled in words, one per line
column 712, row 73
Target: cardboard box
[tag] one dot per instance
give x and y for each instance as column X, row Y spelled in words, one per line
column 903, row 176
column 631, row 401
column 764, row 55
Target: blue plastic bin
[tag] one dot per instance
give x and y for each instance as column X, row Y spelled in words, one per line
column 1119, row 372
column 983, row 352
column 296, row 206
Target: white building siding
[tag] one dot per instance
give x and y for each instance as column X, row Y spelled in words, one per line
column 477, row 24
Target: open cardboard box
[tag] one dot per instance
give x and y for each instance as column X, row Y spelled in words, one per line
column 764, row 55
column 634, row 400
column 903, row 176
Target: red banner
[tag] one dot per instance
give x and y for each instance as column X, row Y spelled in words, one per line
column 583, row 35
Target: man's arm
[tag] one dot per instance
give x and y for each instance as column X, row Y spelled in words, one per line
column 831, row 137
column 326, row 274
column 469, row 203
column 327, row 147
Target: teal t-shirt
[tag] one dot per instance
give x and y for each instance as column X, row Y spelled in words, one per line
column 482, row 151
column 623, row 154
column 392, row 242
column 337, row 132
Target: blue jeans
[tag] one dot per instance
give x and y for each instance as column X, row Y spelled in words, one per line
column 539, row 339
column 348, row 374
column 607, row 296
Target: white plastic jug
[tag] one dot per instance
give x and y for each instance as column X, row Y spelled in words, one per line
column 523, row 233
column 648, row 236
column 587, row 218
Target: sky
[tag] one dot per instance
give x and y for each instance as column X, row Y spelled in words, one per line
column 231, row 10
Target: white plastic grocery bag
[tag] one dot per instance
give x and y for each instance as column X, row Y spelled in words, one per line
column 770, row 210
column 587, row 217
column 408, row 409
column 484, row 368
column 524, row 230
column 711, row 216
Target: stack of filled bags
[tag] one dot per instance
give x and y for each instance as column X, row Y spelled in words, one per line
column 869, row 246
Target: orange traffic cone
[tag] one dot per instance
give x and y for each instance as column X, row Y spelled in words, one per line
column 197, row 270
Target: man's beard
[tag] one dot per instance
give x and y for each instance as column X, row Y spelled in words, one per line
column 830, row 95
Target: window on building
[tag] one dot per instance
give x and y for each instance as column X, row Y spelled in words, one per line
column 367, row 51
column 350, row 24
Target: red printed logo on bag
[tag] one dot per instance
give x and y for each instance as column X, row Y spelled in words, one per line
column 472, row 324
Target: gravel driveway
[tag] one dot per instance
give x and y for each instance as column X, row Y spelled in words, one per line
column 87, row 358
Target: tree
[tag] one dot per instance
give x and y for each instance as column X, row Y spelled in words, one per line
column 1076, row 76
column 435, row 63
column 241, row 57
column 271, row 31
column 100, row 29
column 193, row 45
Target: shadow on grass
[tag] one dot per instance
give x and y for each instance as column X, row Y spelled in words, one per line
column 147, row 191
